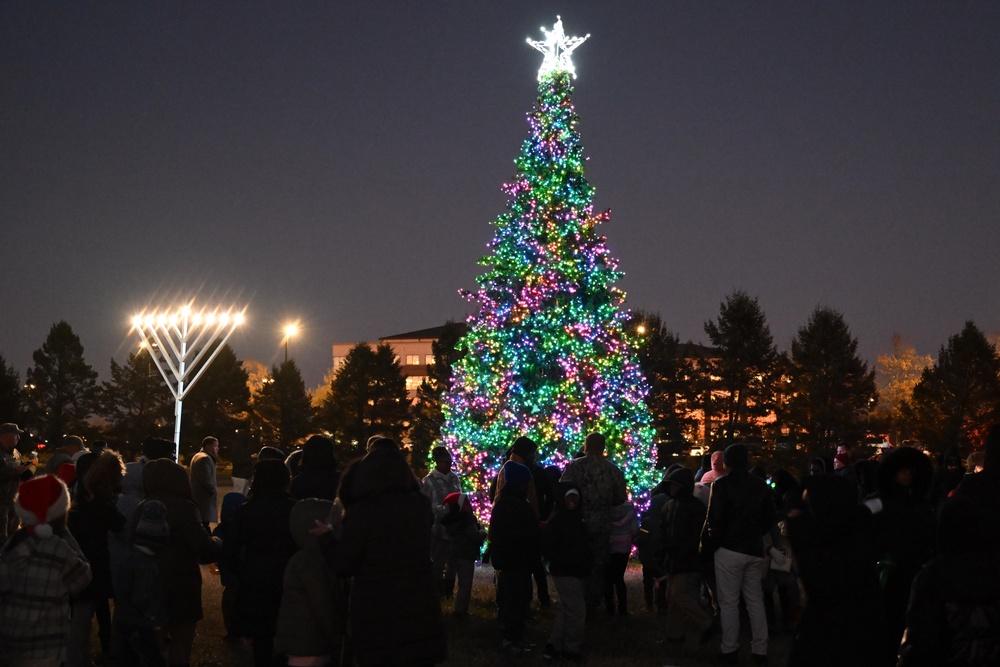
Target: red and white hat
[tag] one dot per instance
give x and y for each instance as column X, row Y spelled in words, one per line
column 39, row 501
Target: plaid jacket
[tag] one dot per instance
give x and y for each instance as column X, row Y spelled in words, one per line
column 37, row 576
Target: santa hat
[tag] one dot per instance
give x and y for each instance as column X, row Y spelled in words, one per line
column 455, row 499
column 39, row 501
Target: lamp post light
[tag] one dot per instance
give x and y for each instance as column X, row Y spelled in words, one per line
column 291, row 329
column 178, row 340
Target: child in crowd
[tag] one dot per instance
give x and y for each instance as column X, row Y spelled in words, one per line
column 313, row 610
column 140, row 608
column 229, row 580
column 41, row 566
column 624, row 529
column 566, row 547
column 466, row 538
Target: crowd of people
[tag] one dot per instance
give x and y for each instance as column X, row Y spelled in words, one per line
column 863, row 561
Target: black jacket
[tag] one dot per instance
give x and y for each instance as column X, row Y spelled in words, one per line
column 683, row 518
column 514, row 535
column 564, row 541
column 740, row 512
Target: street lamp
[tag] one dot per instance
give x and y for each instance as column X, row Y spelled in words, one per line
column 291, row 329
column 178, row 339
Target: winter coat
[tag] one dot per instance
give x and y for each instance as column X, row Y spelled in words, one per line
column 139, row 595
column 682, row 521
column 565, row 543
column 257, row 551
column 313, row 610
column 37, row 578
column 319, row 477
column 230, row 503
column 624, row 528
column 188, row 545
column 465, row 534
column 514, row 536
column 91, row 521
column 394, row 616
column 204, row 488
column 649, row 543
column 740, row 511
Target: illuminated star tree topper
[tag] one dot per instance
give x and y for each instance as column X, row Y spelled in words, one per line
column 557, row 49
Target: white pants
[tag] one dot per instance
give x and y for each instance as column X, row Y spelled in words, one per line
column 737, row 573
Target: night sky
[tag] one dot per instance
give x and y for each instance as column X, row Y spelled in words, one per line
column 340, row 162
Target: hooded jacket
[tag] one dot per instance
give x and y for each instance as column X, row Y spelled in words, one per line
column 564, row 540
column 683, row 518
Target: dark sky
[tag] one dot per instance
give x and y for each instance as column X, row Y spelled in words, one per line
column 340, row 162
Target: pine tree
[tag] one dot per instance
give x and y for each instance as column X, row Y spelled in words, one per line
column 63, row 387
column 283, row 408
column 832, row 387
column 549, row 353
column 136, row 401
column 427, row 415
column 218, row 404
column 11, row 394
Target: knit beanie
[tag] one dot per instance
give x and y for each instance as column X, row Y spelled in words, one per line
column 152, row 529
column 39, row 501
column 516, row 474
column 524, row 447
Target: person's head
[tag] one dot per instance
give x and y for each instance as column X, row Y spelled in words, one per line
column 456, row 502
column 41, row 504
column 10, row 434
column 104, row 474
column 71, row 444
column 442, row 459
column 380, row 442
column 841, row 460
column 268, row 452
column 151, row 530
column 318, row 454
column 572, row 499
column 525, row 448
column 817, row 466
column 736, row 457
column 595, row 444
column 974, row 463
column 680, row 482
column 269, row 475
column 210, row 445
column 516, row 477
column 157, row 448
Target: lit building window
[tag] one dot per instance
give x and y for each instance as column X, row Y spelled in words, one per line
column 413, row 360
column 429, row 359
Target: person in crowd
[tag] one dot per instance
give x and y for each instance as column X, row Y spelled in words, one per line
column 566, row 547
column 140, row 603
column 947, row 477
column 624, row 530
column 717, row 468
column 740, row 512
column 515, row 546
column 830, row 534
column 204, row 485
column 904, row 533
column 682, row 519
column 781, row 574
column 313, row 613
column 436, row 486
column 974, row 464
column 320, row 476
column 242, row 465
column 294, row 462
column 954, row 613
column 706, row 465
column 866, row 473
column 178, row 559
column 69, row 448
column 602, row 487
column 817, row 466
column 228, row 578
column 984, row 487
column 11, row 470
column 382, row 542
column 92, row 519
column 259, row 547
column 41, row 567
column 523, row 451
column 466, row 537
column 650, row 545
column 269, row 452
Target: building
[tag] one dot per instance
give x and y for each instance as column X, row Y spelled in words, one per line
column 413, row 350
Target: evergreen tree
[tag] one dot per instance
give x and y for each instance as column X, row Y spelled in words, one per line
column 831, row 386
column 218, row 403
column 671, row 377
column 427, row 416
column 12, row 399
column 64, row 386
column 283, row 408
column 367, row 397
column 745, row 365
column 136, row 401
column 958, row 397
column 548, row 354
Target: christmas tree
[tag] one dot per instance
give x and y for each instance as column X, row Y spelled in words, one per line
column 548, row 354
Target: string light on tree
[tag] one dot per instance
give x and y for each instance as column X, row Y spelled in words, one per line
column 550, row 353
